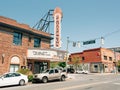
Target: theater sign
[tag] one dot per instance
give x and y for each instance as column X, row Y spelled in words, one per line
column 46, row 54
column 57, row 27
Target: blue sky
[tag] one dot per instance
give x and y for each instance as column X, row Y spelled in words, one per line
column 82, row 19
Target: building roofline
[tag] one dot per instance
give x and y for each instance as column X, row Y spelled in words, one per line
column 24, row 30
column 13, row 24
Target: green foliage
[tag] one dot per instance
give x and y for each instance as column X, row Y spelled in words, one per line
column 30, row 78
column 118, row 63
column 53, row 64
column 62, row 64
column 26, row 72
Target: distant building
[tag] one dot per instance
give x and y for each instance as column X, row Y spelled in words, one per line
column 116, row 49
column 94, row 60
column 22, row 46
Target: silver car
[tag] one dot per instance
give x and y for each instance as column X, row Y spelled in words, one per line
column 50, row 74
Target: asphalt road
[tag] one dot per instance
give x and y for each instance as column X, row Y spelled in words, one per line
column 76, row 82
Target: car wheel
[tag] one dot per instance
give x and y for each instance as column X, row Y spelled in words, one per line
column 22, row 82
column 62, row 78
column 44, row 80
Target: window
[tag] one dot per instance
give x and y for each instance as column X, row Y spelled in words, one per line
column 16, row 74
column 110, row 58
column 95, row 66
column 83, row 58
column 51, row 72
column 56, row 71
column 14, row 67
column 36, row 42
column 105, row 57
column 17, row 38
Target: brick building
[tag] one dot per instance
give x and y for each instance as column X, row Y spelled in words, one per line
column 95, row 60
column 16, row 42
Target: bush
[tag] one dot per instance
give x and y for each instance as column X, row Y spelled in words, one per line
column 26, row 72
column 30, row 78
column 62, row 64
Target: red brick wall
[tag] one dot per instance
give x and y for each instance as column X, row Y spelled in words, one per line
column 9, row 50
column 94, row 55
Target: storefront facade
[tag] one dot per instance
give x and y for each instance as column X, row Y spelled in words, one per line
column 97, row 60
column 39, row 59
column 15, row 40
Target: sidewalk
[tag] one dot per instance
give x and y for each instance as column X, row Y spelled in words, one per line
column 74, row 75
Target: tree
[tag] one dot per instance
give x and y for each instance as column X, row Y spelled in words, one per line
column 62, row 64
column 53, row 64
column 118, row 65
column 75, row 61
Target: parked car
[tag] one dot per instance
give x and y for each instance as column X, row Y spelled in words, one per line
column 70, row 70
column 13, row 78
column 82, row 71
column 50, row 74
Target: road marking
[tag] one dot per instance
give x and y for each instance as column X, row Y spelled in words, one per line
column 84, row 85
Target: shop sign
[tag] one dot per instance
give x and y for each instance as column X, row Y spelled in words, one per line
column 47, row 54
column 41, row 53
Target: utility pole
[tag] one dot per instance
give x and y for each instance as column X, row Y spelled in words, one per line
column 67, row 50
column 115, row 61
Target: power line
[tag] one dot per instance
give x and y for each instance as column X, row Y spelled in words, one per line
column 108, row 34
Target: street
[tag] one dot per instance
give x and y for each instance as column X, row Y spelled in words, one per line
column 76, row 82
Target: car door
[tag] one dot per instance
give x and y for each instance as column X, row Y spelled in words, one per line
column 51, row 75
column 10, row 79
column 6, row 80
column 16, row 78
column 2, row 81
column 57, row 74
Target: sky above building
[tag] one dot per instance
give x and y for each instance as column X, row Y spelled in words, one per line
column 83, row 20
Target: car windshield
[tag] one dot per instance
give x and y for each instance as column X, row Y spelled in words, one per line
column 46, row 71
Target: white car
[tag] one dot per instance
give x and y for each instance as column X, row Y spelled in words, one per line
column 13, row 78
column 82, row 71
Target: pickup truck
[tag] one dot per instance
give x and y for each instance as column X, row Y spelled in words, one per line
column 50, row 74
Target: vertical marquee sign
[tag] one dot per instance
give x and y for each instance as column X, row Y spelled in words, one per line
column 57, row 27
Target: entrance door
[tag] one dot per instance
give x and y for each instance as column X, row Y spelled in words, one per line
column 14, row 67
column 40, row 67
column 36, row 68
